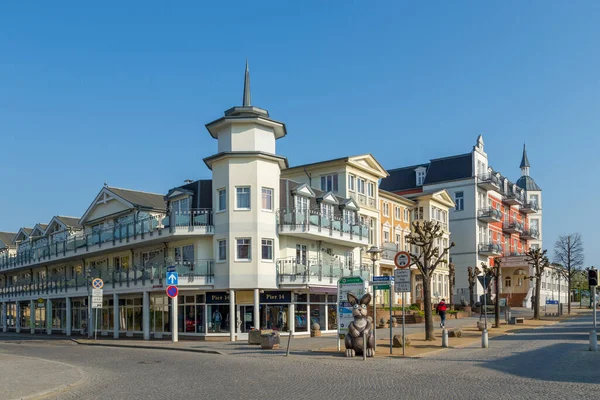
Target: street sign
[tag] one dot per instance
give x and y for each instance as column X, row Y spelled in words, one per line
column 97, row 283
column 485, row 281
column 172, row 291
column 380, row 286
column 40, row 302
column 356, row 286
column 171, row 268
column 97, row 296
column 402, row 259
column 172, row 278
column 551, row 301
column 383, row 278
column 402, row 280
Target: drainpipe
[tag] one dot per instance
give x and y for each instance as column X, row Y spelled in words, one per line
column 309, row 177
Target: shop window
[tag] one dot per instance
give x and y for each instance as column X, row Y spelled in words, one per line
column 274, row 316
column 219, row 318
column 300, row 318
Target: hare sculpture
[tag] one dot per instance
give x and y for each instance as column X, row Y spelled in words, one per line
column 360, row 326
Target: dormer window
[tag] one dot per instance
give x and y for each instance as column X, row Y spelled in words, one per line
column 301, row 204
column 181, row 206
column 420, row 174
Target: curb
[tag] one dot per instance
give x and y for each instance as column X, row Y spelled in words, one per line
column 131, row 346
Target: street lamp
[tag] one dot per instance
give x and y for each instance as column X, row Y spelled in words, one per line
column 88, row 275
column 374, row 253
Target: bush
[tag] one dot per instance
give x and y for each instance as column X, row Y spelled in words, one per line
column 414, row 307
column 419, row 313
column 453, row 312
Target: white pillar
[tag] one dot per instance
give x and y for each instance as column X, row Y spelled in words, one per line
column 49, row 317
column 256, row 309
column 232, row 315
column 4, row 321
column 69, row 316
column 146, row 315
column 32, row 311
column 115, row 316
column 18, row 322
column 174, row 320
column 291, row 317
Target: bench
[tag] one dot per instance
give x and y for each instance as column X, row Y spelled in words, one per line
column 520, row 320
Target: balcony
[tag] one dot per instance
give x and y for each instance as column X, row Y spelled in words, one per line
column 512, row 227
column 513, row 198
column 488, row 182
column 136, row 233
column 529, row 208
column 363, row 200
column 150, row 275
column 293, row 272
column 315, row 225
column 490, row 249
column 388, row 252
column 530, row 234
column 489, row 215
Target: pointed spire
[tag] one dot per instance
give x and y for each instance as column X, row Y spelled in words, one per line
column 247, row 102
column 525, row 160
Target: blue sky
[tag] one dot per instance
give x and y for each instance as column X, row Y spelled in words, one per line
column 119, row 92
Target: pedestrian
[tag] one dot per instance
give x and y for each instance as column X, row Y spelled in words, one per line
column 441, row 310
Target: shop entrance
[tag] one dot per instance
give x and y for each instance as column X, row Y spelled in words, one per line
column 245, row 318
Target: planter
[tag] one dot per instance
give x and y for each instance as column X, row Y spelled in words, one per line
column 419, row 319
column 315, row 330
column 254, row 337
column 269, row 341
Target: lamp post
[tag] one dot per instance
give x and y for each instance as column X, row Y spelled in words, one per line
column 88, row 276
column 374, row 253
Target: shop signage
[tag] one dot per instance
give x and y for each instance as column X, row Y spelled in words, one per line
column 276, row 297
column 217, row 297
column 355, row 285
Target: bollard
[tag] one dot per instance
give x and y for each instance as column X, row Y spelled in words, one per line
column 364, row 346
column 593, row 340
column 444, row 337
column 287, row 353
column 484, row 339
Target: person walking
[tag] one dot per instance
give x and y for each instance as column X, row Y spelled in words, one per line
column 441, row 310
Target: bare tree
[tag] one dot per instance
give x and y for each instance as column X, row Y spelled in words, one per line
column 427, row 259
column 473, row 273
column 452, row 282
column 568, row 252
column 539, row 261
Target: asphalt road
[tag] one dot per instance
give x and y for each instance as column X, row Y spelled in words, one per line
column 541, row 363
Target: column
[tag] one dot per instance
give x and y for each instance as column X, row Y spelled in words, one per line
column 32, row 311
column 49, row 317
column 115, row 316
column 292, row 317
column 18, row 322
column 232, row 315
column 146, row 315
column 69, row 316
column 4, row 321
column 256, row 309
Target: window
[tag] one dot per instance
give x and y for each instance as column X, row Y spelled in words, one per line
column 243, row 198
column 185, row 255
column 349, row 217
column 267, row 199
column 420, row 177
column 534, row 199
column 351, row 182
column 301, row 204
column 406, row 216
column 301, row 254
column 398, row 213
column 243, row 249
column 398, row 241
column 507, row 281
column 181, row 206
column 329, row 183
column 386, row 236
column 459, row 199
column 386, row 209
column 371, row 189
column 267, row 249
column 360, row 185
column 326, row 210
column 222, row 249
column 222, row 194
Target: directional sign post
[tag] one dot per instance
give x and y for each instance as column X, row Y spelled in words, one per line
column 172, row 278
column 97, row 297
column 172, row 292
column 356, row 286
column 171, row 268
column 402, row 285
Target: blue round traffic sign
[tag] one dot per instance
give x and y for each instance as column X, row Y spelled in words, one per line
column 97, row 283
column 172, row 291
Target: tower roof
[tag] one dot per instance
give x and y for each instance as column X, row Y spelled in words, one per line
column 247, row 100
column 524, row 160
column 527, row 183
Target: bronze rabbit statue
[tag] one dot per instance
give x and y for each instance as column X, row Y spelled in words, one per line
column 361, row 325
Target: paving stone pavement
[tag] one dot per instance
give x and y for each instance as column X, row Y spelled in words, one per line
column 543, row 363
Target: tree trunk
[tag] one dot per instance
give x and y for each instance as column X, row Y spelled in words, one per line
column 536, row 308
column 451, row 295
column 471, row 302
column 569, row 294
column 427, row 304
column 497, row 306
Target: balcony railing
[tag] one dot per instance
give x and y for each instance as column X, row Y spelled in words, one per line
column 513, row 227
column 530, row 234
column 490, row 249
column 150, row 273
column 513, row 198
column 315, row 220
column 118, row 233
column 364, row 200
column 490, row 215
column 489, row 181
column 529, row 208
column 294, row 271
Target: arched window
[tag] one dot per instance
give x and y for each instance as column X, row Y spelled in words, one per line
column 507, row 282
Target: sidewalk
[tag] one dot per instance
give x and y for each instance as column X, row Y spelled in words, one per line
column 50, row 377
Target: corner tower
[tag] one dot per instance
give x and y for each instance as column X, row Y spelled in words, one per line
column 245, row 179
column 533, row 194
